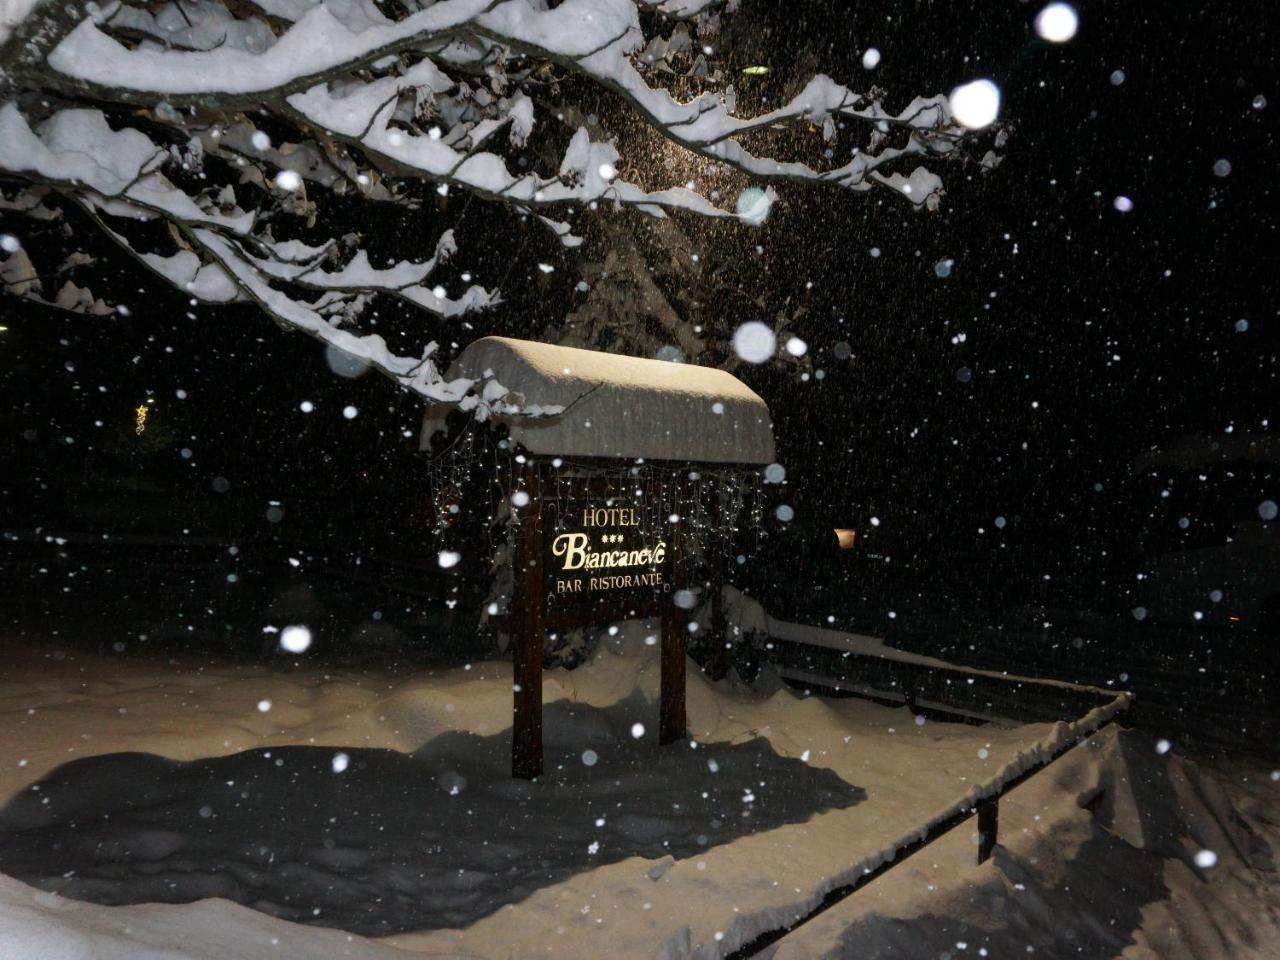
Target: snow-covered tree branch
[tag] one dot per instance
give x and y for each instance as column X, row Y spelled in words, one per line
column 208, row 139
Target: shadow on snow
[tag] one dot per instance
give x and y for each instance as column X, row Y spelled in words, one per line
column 395, row 842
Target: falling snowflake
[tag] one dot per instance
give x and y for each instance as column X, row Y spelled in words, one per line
column 288, row 180
column 754, row 205
column 1057, row 23
column 1206, row 859
column 977, row 104
column 754, row 342
column 295, row 638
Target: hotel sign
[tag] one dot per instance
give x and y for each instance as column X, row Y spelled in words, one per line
column 598, row 552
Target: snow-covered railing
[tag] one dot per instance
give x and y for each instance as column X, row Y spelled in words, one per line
column 982, row 800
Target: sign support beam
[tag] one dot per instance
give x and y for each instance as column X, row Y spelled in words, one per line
column 526, row 728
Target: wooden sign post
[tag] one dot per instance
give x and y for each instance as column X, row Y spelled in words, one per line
column 588, row 559
column 590, row 550
column 529, row 628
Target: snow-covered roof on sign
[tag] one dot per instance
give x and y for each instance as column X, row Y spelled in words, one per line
column 618, row 406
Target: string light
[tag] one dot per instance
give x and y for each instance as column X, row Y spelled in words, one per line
column 141, row 421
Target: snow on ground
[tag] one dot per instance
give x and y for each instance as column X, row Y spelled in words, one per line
column 1112, row 851
column 383, row 802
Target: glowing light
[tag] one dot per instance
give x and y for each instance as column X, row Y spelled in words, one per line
column 140, row 418
column 870, row 59
column 845, row 538
column 448, row 558
column 797, row 347
column 1123, row 204
column 976, row 105
column 1057, row 22
column 756, row 71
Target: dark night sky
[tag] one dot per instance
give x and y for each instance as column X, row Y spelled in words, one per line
column 1089, row 334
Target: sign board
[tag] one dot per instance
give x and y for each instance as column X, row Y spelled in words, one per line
column 604, row 553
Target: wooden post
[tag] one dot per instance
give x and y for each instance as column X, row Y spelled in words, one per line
column 988, row 826
column 671, row 718
column 526, row 641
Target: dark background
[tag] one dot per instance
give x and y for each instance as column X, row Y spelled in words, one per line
column 1069, row 338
